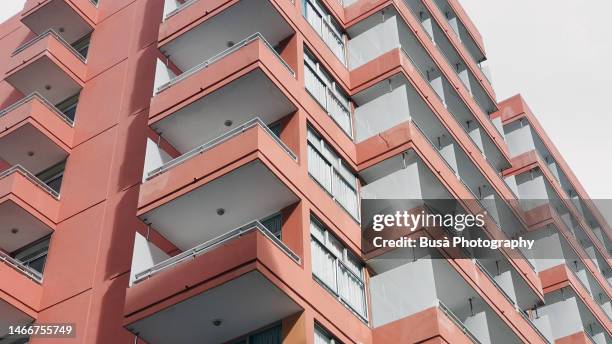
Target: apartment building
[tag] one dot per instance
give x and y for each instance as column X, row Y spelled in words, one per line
column 199, row 171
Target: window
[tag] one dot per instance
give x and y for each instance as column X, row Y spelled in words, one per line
column 337, row 269
column 53, row 176
column 324, row 89
column 82, row 45
column 68, row 107
column 271, row 335
column 276, row 128
column 274, row 224
column 34, row 255
column 326, row 27
column 332, row 173
column 322, row 337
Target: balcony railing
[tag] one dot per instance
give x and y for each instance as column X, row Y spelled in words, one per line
column 30, row 177
column 43, row 100
column 220, row 56
column 44, row 35
column 212, row 244
column 457, row 322
column 217, row 141
column 17, row 265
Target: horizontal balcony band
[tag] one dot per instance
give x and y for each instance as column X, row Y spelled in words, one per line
column 542, row 216
column 461, row 49
column 253, row 251
column 561, row 276
column 39, row 15
column 399, row 61
column 221, row 55
column 357, row 79
column 214, row 243
column 217, row 141
column 18, row 266
column 44, row 35
column 441, row 322
column 532, row 159
column 38, row 98
column 34, row 134
column 406, row 136
column 18, row 169
column 516, row 108
column 255, row 56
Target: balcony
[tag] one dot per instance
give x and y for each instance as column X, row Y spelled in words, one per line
column 72, row 18
column 567, row 311
column 536, row 187
column 211, row 40
column 35, row 134
column 225, row 110
column 21, row 189
column 442, row 286
column 365, row 46
column 232, row 260
column 380, row 193
column 460, row 29
column 11, row 316
column 465, row 69
column 49, row 55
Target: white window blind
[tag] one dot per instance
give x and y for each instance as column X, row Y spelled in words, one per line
column 337, row 268
column 330, row 171
column 324, row 89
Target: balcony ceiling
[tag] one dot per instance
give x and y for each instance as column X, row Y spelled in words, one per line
column 248, row 193
column 15, row 217
column 238, row 102
column 232, row 303
column 59, row 16
column 232, row 25
column 10, row 315
column 56, row 85
column 16, row 147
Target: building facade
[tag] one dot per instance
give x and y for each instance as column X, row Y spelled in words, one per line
column 199, row 171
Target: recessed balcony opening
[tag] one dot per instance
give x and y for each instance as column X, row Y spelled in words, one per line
column 225, row 313
column 441, row 286
column 61, row 18
column 222, row 34
column 366, row 44
column 32, row 149
column 24, row 240
column 569, row 315
column 217, row 208
column 56, row 87
column 11, row 316
column 225, row 111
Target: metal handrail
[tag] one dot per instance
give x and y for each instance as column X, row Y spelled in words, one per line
column 49, row 32
column 416, row 67
column 213, row 243
column 31, row 177
column 221, row 55
column 457, row 322
column 217, row 141
column 492, row 279
column 533, row 326
column 467, row 187
column 39, row 97
column 19, row 266
column 179, row 8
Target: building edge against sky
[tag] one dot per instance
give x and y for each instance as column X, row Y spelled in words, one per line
column 187, row 171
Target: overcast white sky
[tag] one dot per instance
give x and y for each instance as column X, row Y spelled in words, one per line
column 557, row 53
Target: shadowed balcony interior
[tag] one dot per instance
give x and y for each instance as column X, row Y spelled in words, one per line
column 11, row 316
column 223, row 313
column 394, row 295
column 222, row 33
column 214, row 209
